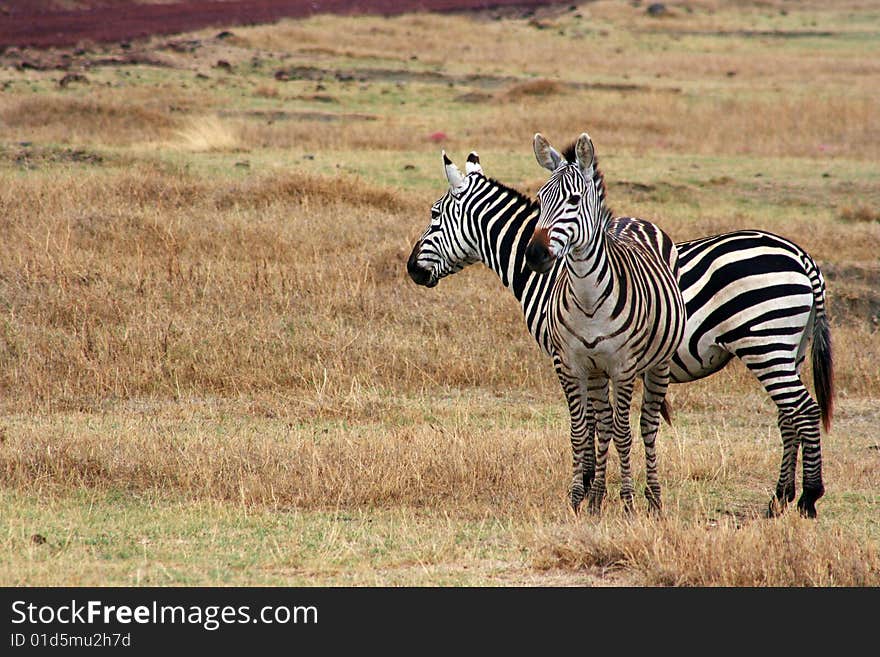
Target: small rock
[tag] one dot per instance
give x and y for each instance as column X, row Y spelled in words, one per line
column 656, row 9
column 38, row 539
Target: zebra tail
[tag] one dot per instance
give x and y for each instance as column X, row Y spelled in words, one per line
column 666, row 412
column 823, row 369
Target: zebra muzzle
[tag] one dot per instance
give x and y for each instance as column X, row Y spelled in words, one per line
column 538, row 256
column 417, row 273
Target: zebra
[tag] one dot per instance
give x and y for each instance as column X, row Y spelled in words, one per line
column 479, row 219
column 615, row 313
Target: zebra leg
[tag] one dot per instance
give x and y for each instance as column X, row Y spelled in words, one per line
column 780, row 379
column 785, row 487
column 806, row 423
column 597, row 391
column 588, row 450
column 623, row 439
column 655, row 385
column 582, row 435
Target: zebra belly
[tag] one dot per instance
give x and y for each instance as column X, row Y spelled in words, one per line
column 684, row 369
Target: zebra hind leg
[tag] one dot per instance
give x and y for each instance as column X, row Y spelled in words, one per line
column 785, row 487
column 802, row 414
column 807, row 426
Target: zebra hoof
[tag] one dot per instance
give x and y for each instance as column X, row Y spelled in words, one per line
column 628, row 503
column 594, row 503
column 589, row 473
column 807, row 503
column 655, row 506
column 785, row 494
column 575, row 499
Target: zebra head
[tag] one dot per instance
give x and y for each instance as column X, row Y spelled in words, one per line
column 570, row 203
column 447, row 246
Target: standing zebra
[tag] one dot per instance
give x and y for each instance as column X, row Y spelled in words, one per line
column 615, row 312
column 479, row 219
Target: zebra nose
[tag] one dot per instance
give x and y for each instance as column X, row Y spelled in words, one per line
column 420, row 275
column 538, row 257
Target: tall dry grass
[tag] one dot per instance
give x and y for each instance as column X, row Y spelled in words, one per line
column 153, row 282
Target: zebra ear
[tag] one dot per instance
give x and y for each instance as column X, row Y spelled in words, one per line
column 473, row 163
column 585, row 152
column 453, row 175
column 547, row 156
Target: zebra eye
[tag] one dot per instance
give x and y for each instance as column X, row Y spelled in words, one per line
column 574, row 199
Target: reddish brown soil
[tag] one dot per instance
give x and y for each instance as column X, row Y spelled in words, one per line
column 35, row 23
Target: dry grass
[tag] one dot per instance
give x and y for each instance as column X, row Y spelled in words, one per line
column 215, row 313
column 783, row 552
column 76, row 120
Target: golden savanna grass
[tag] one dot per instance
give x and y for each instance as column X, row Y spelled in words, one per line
column 215, row 370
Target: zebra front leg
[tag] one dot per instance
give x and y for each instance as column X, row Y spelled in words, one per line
column 622, row 434
column 597, row 391
column 582, row 436
column 588, row 457
column 656, row 383
column 785, row 488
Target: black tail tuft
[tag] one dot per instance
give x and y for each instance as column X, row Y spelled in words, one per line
column 823, row 369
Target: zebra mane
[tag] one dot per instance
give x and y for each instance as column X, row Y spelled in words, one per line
column 526, row 200
column 598, row 180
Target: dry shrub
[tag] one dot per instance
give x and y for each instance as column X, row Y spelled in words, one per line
column 308, row 188
column 206, row 134
column 860, row 214
column 532, row 89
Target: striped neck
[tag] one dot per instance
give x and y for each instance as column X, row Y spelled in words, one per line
column 501, row 221
column 588, row 264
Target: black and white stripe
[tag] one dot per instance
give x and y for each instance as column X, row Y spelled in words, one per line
column 482, row 220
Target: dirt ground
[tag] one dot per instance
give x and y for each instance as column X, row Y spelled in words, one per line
column 49, row 23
